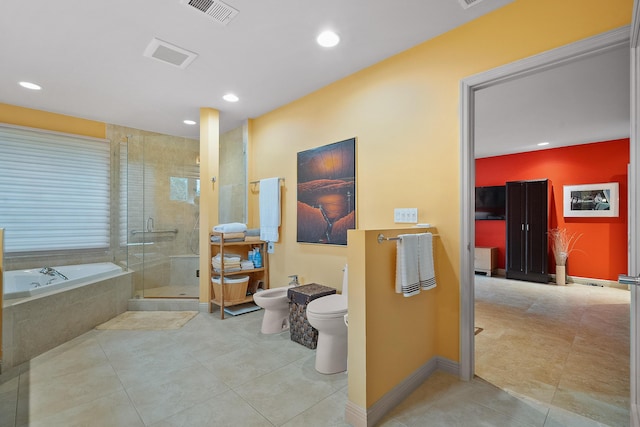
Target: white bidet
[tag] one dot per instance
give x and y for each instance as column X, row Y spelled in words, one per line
column 276, row 309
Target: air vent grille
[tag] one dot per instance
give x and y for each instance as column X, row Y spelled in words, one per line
column 169, row 53
column 466, row 4
column 216, row 10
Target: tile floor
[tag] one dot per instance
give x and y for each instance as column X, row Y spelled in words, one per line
column 216, row 372
column 567, row 346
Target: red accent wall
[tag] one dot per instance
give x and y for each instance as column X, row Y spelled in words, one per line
column 601, row 251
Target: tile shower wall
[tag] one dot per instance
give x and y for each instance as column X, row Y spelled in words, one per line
column 233, row 176
column 161, row 181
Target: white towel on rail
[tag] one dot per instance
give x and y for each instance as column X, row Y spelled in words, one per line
column 407, row 274
column 426, row 268
column 269, row 206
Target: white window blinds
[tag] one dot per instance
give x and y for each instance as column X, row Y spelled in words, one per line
column 54, row 191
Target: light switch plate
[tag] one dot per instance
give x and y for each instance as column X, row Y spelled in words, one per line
column 405, row 215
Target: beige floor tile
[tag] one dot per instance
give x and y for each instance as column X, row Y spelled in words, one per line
column 45, row 398
column 225, row 410
column 325, row 413
column 108, row 411
column 287, row 392
column 173, row 392
column 564, row 346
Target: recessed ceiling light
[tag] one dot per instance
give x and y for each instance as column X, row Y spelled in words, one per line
column 542, row 144
column 230, row 98
column 328, row 39
column 188, row 122
column 29, row 85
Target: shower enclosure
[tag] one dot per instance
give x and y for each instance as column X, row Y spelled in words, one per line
column 159, row 213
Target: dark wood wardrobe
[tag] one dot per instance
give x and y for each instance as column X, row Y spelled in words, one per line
column 527, row 243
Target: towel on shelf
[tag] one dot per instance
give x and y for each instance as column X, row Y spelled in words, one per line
column 231, row 263
column 231, row 227
column 426, row 270
column 247, row 265
column 253, row 232
column 252, row 238
column 407, row 273
column 233, row 235
column 217, row 239
column 269, row 207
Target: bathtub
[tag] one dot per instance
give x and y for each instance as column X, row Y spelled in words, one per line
column 39, row 318
column 27, row 283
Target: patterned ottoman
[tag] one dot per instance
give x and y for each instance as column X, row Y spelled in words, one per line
column 301, row 331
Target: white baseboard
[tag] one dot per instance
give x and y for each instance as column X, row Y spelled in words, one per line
column 598, row 282
column 367, row 417
column 635, row 415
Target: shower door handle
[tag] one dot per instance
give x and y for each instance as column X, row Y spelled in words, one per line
column 623, row 279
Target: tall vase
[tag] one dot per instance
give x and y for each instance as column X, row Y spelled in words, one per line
column 561, row 275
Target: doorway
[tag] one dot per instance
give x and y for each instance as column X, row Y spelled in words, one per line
column 470, row 87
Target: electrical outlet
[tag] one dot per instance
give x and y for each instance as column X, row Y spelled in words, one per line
column 197, row 273
column 270, row 247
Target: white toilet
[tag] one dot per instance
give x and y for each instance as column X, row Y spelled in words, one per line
column 327, row 315
column 276, row 309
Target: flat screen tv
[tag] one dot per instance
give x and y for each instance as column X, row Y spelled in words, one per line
column 491, row 202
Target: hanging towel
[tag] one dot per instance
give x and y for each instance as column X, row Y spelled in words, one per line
column 407, row 276
column 426, row 268
column 269, row 209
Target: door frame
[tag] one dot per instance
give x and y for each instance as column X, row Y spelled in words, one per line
column 566, row 54
column 634, row 211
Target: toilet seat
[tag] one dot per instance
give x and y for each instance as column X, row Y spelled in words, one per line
column 328, row 306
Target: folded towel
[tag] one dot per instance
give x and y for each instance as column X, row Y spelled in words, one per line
column 269, row 206
column 407, row 274
column 426, row 270
column 247, row 265
column 227, row 270
column 228, row 258
column 233, row 235
column 252, row 238
column 231, row 227
column 253, row 232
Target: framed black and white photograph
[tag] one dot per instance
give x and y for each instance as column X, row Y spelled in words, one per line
column 591, row 200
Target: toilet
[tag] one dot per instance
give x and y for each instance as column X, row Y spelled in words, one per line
column 328, row 315
column 276, row 309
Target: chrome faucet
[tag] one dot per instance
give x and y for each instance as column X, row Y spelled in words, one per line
column 294, row 280
column 53, row 272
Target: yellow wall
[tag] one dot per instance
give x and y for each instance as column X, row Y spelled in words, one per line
column 20, row 116
column 388, row 333
column 405, row 114
column 209, row 191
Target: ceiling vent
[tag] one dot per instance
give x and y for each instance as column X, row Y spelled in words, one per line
column 169, row 53
column 466, row 4
column 216, row 10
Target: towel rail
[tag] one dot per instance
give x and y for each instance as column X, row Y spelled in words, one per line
column 382, row 238
column 134, row 232
column 258, row 182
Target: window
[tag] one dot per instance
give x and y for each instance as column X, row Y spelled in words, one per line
column 54, row 191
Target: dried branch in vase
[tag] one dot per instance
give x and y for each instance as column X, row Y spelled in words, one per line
column 562, row 244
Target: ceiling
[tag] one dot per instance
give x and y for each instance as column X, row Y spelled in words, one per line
column 88, row 57
column 580, row 102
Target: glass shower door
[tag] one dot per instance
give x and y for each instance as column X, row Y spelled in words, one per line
column 163, row 215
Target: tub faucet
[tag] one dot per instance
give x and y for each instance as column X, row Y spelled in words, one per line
column 53, row 272
column 294, row 280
